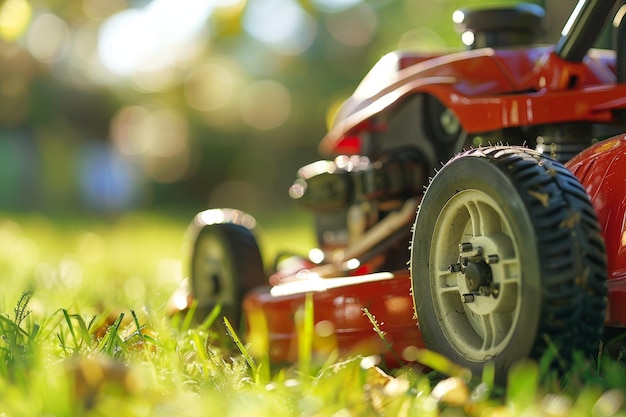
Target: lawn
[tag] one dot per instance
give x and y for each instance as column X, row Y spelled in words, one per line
column 86, row 331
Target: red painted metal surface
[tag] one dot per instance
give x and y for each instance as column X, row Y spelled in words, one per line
column 489, row 89
column 340, row 324
column 602, row 171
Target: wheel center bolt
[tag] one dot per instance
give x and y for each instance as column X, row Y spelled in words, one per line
column 484, row 290
column 470, row 253
column 467, row 298
column 465, row 247
column 492, row 259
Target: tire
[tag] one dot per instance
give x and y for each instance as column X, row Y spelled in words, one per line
column 535, row 266
column 226, row 262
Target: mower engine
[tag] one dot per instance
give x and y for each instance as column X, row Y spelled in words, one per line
column 352, row 193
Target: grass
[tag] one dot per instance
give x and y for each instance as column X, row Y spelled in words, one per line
column 85, row 330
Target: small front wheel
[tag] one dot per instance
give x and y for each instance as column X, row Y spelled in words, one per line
column 507, row 258
column 226, row 261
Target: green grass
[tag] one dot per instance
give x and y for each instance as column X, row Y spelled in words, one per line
column 84, row 330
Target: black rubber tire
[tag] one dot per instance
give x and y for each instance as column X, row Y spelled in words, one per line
column 551, row 266
column 226, row 263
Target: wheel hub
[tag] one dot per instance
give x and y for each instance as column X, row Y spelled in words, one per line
column 477, row 275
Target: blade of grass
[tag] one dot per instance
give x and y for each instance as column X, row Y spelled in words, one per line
column 68, row 320
column 62, row 344
column 249, row 360
column 489, row 375
column 139, row 327
column 111, row 338
column 523, row 383
column 211, row 318
column 199, row 345
column 441, row 364
column 191, row 312
column 83, row 327
column 20, row 310
column 382, row 335
column 305, row 335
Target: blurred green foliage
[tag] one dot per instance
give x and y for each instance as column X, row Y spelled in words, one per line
column 110, row 105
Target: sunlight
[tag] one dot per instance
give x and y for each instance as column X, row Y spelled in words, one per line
column 158, row 138
column 281, row 24
column 353, row 27
column 330, row 6
column 14, row 18
column 254, row 104
column 209, row 87
column 151, row 38
column 124, row 41
column 47, row 38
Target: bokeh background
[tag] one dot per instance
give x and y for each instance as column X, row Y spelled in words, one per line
column 108, row 106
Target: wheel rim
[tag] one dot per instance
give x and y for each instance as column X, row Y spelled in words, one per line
column 212, row 276
column 476, row 275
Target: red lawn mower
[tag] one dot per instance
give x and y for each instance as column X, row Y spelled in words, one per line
column 519, row 242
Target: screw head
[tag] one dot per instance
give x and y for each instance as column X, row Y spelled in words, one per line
column 467, row 298
column 465, row 247
column 484, row 290
column 492, row 259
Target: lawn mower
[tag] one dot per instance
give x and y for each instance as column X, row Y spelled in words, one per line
column 511, row 155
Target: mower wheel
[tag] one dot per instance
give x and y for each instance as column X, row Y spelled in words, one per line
column 507, row 260
column 226, row 261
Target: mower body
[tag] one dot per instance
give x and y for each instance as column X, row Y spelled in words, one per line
column 409, row 115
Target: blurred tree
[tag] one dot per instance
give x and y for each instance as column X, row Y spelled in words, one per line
column 193, row 102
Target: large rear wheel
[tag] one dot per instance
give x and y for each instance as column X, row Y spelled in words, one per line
column 507, row 258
